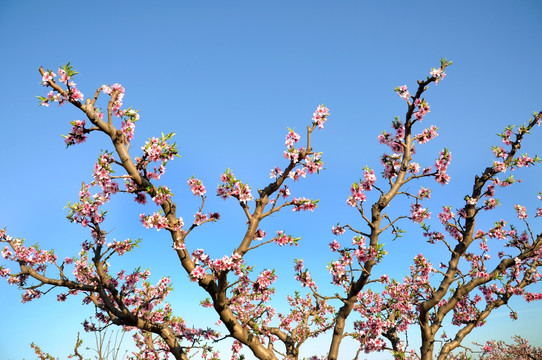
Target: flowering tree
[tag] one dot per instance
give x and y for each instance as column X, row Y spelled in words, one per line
column 467, row 278
column 521, row 350
column 241, row 298
column 499, row 350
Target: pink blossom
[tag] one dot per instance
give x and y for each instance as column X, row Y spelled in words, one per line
column 197, row 273
column 78, row 133
column 424, row 193
column 275, row 172
column 75, row 94
column 423, row 109
column 128, row 129
column 438, row 74
column 154, row 221
column 284, row 191
column 419, row 214
column 283, row 239
column 369, row 179
column 298, row 173
column 334, row 246
column 196, row 186
column 402, row 91
column 259, row 235
column 320, row 116
column 304, row 204
column 522, row 211
column 298, row 265
column 199, row 218
column 499, row 166
column 337, row 230
column 356, row 195
column 491, row 204
column 291, row 138
column 291, row 154
column 446, row 214
column 265, row 279
column 47, row 76
column 427, row 135
column 63, row 76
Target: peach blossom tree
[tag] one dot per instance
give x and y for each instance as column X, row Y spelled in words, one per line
column 464, row 290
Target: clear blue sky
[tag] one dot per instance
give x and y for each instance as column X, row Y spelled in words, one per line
column 229, row 78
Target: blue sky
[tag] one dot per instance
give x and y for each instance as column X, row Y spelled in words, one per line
column 229, row 78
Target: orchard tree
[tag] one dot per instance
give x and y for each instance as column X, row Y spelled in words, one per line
column 499, row 350
column 469, row 286
column 520, row 350
column 464, row 289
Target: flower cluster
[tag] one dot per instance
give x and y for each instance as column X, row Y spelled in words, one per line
column 337, row 230
column 394, row 308
column 116, row 90
column 357, row 190
column 442, row 164
column 65, row 74
column 128, row 124
column 427, row 135
column 51, row 97
column 291, row 138
column 445, row 218
column 311, row 162
column 248, row 297
column 320, row 116
column 284, row 191
column 226, row 263
column 422, row 108
column 291, row 153
column 275, row 172
column 162, row 195
column 31, row 256
column 306, row 318
column 157, row 150
column 260, row 234
column 200, row 218
column 521, row 210
column 231, row 186
column 77, row 135
column 304, row 204
column 102, row 174
column 283, row 239
column 265, row 279
column 506, row 135
column 303, row 275
column 419, row 214
column 424, row 193
column 402, row 91
column 86, row 211
column 466, row 311
column 521, row 349
column 196, row 186
column 122, row 247
column 395, row 141
column 438, row 74
column 357, row 195
column 158, row 221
